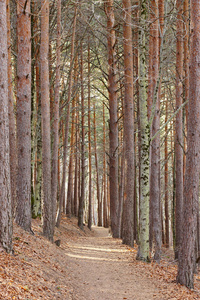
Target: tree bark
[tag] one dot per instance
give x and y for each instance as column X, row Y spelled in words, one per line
column 105, row 214
column 186, row 33
column 89, row 145
column 143, row 250
column 12, row 126
column 113, row 130
column 179, row 127
column 99, row 202
column 5, row 188
column 54, row 172
column 155, row 209
column 76, row 198
column 166, row 181
column 187, row 257
column 128, row 220
column 82, row 196
column 23, row 209
column 70, row 205
column 48, row 224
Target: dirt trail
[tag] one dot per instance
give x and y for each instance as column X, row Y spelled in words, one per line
column 88, row 265
column 101, row 269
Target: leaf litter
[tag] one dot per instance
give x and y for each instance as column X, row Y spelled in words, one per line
column 42, row 270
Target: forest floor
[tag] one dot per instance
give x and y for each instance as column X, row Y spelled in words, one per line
column 88, row 265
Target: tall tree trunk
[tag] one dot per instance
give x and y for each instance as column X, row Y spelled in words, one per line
column 143, row 251
column 128, row 221
column 5, row 188
column 186, row 52
column 113, row 130
column 166, row 181
column 76, row 171
column 105, row 215
column 23, row 209
column 70, row 205
column 179, row 127
column 155, row 208
column 48, row 224
column 37, row 143
column 82, row 196
column 12, row 127
column 89, row 145
column 186, row 34
column 187, row 257
column 54, row 172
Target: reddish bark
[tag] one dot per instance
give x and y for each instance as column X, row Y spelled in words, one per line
column 5, row 188
column 128, row 220
column 23, row 209
column 54, row 173
column 187, row 257
column 12, row 127
column 113, row 130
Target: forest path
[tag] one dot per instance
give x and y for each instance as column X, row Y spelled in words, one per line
column 101, row 268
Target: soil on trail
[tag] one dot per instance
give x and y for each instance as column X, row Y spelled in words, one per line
column 88, row 265
column 101, row 268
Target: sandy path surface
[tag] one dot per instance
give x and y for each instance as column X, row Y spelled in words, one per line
column 101, row 268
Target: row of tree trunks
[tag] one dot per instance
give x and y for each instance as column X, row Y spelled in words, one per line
column 65, row 146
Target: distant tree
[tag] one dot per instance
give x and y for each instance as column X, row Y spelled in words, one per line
column 48, row 228
column 82, row 196
column 105, row 205
column 187, row 255
column 65, row 137
column 5, row 188
column 23, row 209
column 97, row 171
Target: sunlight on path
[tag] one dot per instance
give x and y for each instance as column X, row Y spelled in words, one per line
column 101, row 268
